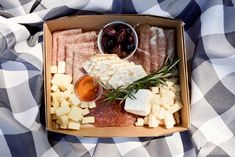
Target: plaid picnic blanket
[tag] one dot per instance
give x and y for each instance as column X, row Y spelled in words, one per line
column 210, row 42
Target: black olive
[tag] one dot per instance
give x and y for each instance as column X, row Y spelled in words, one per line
column 129, row 47
column 108, row 43
column 110, row 31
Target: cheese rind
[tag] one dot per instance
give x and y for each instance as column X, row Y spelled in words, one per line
column 141, row 105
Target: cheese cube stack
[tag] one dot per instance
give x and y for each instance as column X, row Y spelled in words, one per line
column 113, row 71
column 165, row 105
column 67, row 110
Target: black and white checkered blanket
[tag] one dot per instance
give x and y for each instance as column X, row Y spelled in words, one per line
column 210, row 42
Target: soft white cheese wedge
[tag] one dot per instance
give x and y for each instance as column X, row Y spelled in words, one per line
column 127, row 75
column 141, row 105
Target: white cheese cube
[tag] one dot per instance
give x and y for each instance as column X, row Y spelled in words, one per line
column 84, row 105
column 155, row 109
column 140, row 122
column 92, row 104
column 61, row 80
column 55, row 96
column 155, row 99
column 155, row 89
column 74, row 125
column 169, row 83
column 63, row 121
column 70, row 88
column 53, row 69
column 75, row 113
column 85, row 111
column 141, row 105
column 55, row 103
column 62, row 110
column 74, row 99
column 89, row 119
column 163, row 91
column 55, row 88
column 161, row 113
column 167, row 102
column 64, row 103
column 53, row 109
column 153, row 121
column 61, row 67
column 169, row 120
column 146, row 120
column 176, row 107
column 61, row 97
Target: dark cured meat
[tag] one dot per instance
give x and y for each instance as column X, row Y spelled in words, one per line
column 111, row 114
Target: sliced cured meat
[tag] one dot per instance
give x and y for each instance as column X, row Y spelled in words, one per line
column 142, row 55
column 154, row 49
column 111, row 114
column 73, row 39
column 162, row 47
column 82, row 52
column 55, row 41
column 170, row 35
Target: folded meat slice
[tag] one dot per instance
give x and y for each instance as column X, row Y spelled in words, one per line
column 80, row 56
column 73, row 39
column 162, row 47
column 154, row 49
column 170, row 35
column 55, row 36
column 111, row 114
column 142, row 55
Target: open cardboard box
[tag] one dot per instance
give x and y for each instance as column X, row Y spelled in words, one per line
column 96, row 22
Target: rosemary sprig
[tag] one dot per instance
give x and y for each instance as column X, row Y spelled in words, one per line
column 158, row 77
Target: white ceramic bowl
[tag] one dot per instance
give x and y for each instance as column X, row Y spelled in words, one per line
column 115, row 23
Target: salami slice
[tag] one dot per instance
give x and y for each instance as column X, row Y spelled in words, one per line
column 111, row 114
column 55, row 36
column 73, row 39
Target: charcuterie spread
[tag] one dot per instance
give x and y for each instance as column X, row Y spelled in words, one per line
column 125, row 75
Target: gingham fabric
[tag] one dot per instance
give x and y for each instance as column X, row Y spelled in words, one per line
column 210, row 42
